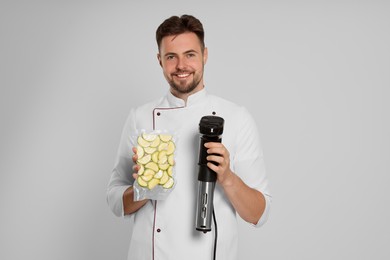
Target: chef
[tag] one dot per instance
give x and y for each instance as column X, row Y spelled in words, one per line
column 165, row 229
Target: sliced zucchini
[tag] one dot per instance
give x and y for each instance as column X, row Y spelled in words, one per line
column 150, row 150
column 170, row 148
column 170, row 171
column 153, row 183
column 163, row 146
column 152, row 165
column 155, row 142
column 148, row 175
column 145, row 159
column 149, row 137
column 162, row 157
column 158, row 175
column 164, row 178
column 170, row 160
column 163, row 166
column 140, row 151
column 142, row 142
column 165, row 137
column 155, row 157
column 141, row 182
column 169, row 183
column 141, row 170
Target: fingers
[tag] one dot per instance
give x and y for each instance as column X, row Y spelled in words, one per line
column 136, row 167
column 215, row 158
column 218, row 163
column 135, row 156
column 217, row 148
column 213, row 167
column 217, row 154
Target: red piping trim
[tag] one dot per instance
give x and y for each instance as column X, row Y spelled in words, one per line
column 162, row 108
column 154, row 227
column 155, row 204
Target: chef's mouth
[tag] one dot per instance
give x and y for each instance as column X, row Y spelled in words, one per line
column 182, row 75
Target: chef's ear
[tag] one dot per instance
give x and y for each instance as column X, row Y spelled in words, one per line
column 159, row 59
column 205, row 55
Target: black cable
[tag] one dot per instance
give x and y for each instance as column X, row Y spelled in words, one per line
column 216, row 235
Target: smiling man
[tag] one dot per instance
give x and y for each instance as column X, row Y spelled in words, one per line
column 182, row 58
column 165, row 229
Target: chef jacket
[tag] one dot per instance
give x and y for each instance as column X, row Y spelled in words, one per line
column 165, row 229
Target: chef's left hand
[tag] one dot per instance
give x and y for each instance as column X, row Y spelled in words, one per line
column 219, row 154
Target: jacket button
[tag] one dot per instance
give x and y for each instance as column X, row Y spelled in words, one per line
column 158, row 113
column 158, row 230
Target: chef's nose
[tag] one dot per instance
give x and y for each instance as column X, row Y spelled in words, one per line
column 181, row 64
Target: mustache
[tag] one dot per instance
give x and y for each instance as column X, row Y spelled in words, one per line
column 181, row 71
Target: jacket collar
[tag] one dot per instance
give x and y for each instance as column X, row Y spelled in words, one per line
column 191, row 100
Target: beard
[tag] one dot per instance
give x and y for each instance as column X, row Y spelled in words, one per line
column 184, row 87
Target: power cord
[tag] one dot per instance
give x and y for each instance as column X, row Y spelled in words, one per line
column 216, row 236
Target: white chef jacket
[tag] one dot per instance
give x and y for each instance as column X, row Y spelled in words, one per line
column 165, row 229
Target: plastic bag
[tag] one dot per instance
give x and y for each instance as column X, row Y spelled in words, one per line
column 156, row 176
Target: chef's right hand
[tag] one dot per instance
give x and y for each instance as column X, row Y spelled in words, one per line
column 135, row 166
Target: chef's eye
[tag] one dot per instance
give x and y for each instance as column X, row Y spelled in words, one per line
column 190, row 55
column 170, row 57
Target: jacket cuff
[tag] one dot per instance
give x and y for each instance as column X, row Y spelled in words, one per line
column 264, row 217
column 115, row 200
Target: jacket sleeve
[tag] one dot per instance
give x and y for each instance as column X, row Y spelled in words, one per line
column 121, row 176
column 249, row 160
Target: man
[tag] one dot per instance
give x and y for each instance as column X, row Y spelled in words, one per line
column 165, row 229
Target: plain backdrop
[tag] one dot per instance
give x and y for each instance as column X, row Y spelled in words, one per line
column 314, row 74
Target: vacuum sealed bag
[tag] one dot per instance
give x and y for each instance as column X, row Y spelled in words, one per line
column 156, row 159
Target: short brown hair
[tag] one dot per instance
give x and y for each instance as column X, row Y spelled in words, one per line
column 177, row 25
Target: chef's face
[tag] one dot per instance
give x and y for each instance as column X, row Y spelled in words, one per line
column 182, row 60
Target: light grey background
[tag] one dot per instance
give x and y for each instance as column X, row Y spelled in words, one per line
column 315, row 75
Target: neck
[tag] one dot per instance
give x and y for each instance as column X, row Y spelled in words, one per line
column 184, row 96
